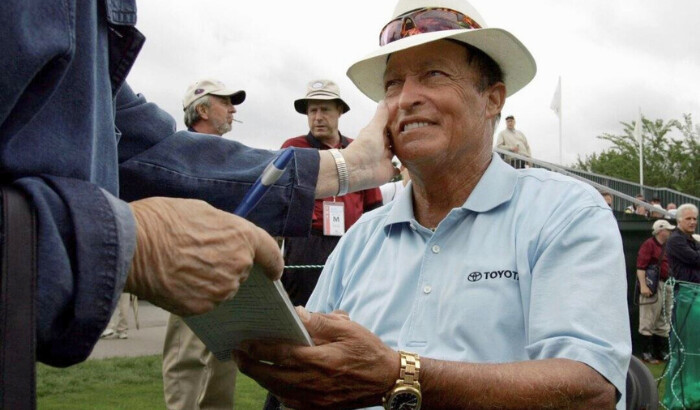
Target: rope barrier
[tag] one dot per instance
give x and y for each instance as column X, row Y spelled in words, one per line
column 304, row 267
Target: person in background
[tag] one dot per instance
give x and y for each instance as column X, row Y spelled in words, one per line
column 333, row 215
column 683, row 250
column 514, row 141
column 654, row 308
column 658, row 210
column 671, row 209
column 607, row 196
column 392, row 189
column 119, row 324
column 444, row 298
column 635, row 208
column 193, row 378
column 209, row 107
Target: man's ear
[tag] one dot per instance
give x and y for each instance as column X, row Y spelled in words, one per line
column 202, row 111
column 496, row 99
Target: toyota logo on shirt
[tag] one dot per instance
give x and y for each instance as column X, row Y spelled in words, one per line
column 493, row 275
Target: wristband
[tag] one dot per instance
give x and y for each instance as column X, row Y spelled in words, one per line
column 343, row 176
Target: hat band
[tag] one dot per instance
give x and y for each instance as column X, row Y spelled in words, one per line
column 321, row 93
column 425, row 20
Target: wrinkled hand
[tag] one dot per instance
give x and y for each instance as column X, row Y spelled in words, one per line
column 348, row 368
column 369, row 156
column 191, row 256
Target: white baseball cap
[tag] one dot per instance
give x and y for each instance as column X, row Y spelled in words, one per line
column 213, row 87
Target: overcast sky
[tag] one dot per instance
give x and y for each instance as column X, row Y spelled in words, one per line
column 614, row 57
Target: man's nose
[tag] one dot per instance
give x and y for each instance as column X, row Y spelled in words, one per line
column 411, row 93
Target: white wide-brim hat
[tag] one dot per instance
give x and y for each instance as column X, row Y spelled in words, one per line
column 514, row 59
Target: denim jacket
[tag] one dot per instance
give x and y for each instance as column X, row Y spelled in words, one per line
column 77, row 139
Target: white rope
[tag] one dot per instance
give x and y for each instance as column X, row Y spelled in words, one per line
column 304, row 267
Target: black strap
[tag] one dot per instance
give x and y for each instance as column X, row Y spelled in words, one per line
column 17, row 316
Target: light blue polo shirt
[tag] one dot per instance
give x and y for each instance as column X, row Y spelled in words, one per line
column 530, row 267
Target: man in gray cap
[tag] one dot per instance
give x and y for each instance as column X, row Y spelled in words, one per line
column 513, row 140
column 192, row 376
column 479, row 286
column 209, row 107
column 333, row 216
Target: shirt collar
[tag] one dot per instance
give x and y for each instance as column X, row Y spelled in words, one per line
column 495, row 187
column 314, row 143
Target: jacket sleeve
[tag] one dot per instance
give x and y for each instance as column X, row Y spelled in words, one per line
column 85, row 235
column 155, row 160
column 680, row 251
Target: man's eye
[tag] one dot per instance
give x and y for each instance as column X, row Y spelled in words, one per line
column 390, row 84
column 435, row 73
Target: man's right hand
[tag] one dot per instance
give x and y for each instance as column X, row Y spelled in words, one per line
column 368, row 159
column 191, row 256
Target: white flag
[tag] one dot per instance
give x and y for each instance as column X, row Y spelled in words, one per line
column 556, row 100
column 638, row 128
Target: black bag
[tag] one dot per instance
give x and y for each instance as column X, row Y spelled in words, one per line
column 652, row 274
column 17, row 286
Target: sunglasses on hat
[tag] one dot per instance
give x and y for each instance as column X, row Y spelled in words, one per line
column 426, row 20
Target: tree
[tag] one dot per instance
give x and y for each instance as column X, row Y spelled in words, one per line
column 668, row 162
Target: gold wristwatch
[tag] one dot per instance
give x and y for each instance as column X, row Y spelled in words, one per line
column 406, row 393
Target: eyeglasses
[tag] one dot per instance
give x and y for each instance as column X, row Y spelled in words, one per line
column 426, row 20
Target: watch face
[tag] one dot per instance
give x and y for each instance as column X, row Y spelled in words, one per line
column 404, row 401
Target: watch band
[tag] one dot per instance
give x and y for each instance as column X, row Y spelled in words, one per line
column 406, row 393
column 343, row 176
column 410, row 368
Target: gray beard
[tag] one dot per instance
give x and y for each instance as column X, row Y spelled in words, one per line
column 223, row 128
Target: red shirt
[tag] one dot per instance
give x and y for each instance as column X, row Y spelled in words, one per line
column 649, row 254
column 356, row 203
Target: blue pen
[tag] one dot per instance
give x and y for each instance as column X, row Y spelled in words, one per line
column 269, row 176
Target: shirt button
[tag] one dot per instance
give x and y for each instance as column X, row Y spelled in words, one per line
column 427, row 289
column 436, row 249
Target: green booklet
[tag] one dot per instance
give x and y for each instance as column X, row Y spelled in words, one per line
column 261, row 310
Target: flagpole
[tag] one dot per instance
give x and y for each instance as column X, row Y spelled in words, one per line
column 641, row 152
column 561, row 161
column 555, row 105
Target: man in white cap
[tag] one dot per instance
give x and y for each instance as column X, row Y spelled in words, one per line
column 333, row 215
column 654, row 304
column 209, row 107
column 480, row 286
column 192, row 376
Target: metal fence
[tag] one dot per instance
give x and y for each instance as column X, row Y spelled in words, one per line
column 623, row 192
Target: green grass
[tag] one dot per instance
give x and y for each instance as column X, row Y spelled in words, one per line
column 658, row 370
column 136, row 383
column 120, row 383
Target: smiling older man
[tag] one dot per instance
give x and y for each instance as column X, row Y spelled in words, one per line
column 481, row 285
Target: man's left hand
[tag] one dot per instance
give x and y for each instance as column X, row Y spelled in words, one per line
column 348, row 368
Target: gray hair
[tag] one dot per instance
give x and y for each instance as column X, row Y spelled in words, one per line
column 681, row 209
column 489, row 70
column 191, row 114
